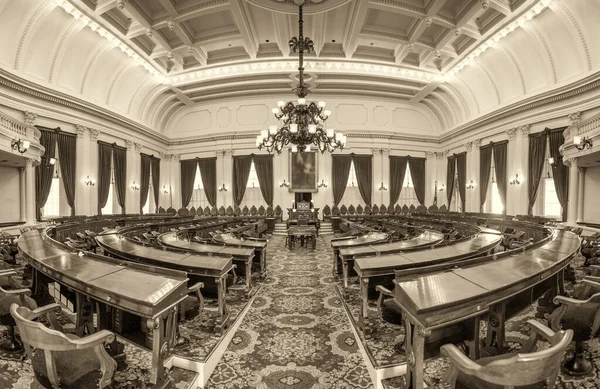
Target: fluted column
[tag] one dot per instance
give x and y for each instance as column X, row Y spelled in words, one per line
column 573, row 188
column 22, row 195
column 221, row 195
column 176, row 181
column 580, row 191
column 91, row 198
column 30, row 190
column 228, row 178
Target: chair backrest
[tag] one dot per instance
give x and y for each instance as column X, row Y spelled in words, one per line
column 221, row 211
column 343, row 210
column 278, row 210
column 351, row 210
column 375, row 209
column 183, row 212
column 261, row 210
column 200, row 211
column 39, row 338
column 326, row 210
column 527, row 368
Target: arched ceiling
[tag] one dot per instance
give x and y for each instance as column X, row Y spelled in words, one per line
column 149, row 60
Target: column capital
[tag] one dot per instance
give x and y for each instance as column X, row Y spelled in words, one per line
column 571, row 162
column 511, row 133
column 175, row 157
column 469, row 146
column 429, row 154
column 228, row 153
column 80, row 130
column 525, row 129
column 582, row 171
column 21, row 170
column 29, row 162
column 94, row 134
column 439, row 155
column 446, row 153
column 29, row 117
column 161, row 155
column 477, row 143
column 138, row 147
column 128, row 144
column 575, row 117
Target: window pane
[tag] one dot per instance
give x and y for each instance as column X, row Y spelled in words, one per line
column 408, row 195
column 198, row 184
column 52, row 207
column 252, row 178
column 108, row 208
column 352, row 180
column 497, row 206
column 551, row 204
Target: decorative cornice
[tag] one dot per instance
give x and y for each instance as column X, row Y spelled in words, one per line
column 29, row 117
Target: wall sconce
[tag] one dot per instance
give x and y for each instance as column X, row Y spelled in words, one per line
column 51, row 162
column 551, row 161
column 134, row 186
column 164, row 189
column 515, row 181
column 470, row 185
column 442, row 188
column 382, row 187
column 20, row 145
column 286, row 184
column 322, row 184
column 89, row 182
column 582, row 142
column 223, row 188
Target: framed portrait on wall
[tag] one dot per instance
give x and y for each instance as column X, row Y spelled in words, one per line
column 303, row 171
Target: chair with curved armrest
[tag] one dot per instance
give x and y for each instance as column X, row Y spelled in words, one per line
column 12, row 346
column 582, row 315
column 62, row 360
column 526, row 368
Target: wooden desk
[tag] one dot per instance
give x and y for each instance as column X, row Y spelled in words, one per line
column 355, row 241
column 435, row 303
column 108, row 286
column 302, row 231
column 214, row 267
column 369, row 268
column 244, row 255
column 259, row 246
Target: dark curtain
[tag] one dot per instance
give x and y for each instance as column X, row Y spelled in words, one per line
column 363, row 165
column 155, row 166
column 450, row 172
column 208, row 171
column 461, row 167
column 537, row 154
column 340, row 169
column 397, row 172
column 485, row 165
column 104, row 170
column 120, row 161
column 44, row 172
column 417, row 174
column 560, row 172
column 188, row 174
column 264, row 172
column 144, row 180
column 501, row 167
column 241, row 172
column 67, row 154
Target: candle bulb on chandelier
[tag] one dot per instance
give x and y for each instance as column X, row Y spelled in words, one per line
column 312, row 128
column 273, row 129
column 293, row 127
column 330, row 132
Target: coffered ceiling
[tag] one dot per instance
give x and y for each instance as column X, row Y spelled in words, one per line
column 149, row 59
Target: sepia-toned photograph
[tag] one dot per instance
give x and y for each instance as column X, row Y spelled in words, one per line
column 303, row 172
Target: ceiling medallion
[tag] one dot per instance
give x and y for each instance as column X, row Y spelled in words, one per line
column 302, row 122
column 290, row 6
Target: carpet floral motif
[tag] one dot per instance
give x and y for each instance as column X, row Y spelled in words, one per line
column 304, row 339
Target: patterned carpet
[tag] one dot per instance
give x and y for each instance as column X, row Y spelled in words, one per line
column 296, row 334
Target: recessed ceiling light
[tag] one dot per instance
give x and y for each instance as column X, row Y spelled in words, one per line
column 267, row 41
column 333, row 40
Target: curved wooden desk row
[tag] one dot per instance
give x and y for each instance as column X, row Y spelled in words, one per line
column 212, row 268
column 447, row 307
column 243, row 256
column 110, row 287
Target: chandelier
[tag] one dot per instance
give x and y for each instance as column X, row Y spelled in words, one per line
column 302, row 123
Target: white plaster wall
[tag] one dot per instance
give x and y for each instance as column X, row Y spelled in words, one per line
column 591, row 210
column 10, row 194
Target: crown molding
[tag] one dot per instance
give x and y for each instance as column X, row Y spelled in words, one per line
column 43, row 93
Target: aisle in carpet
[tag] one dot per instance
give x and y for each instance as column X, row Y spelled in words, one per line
column 296, row 334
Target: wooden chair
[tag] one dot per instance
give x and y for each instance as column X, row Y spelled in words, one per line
column 582, row 315
column 62, row 360
column 11, row 345
column 524, row 369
